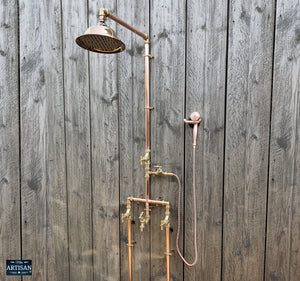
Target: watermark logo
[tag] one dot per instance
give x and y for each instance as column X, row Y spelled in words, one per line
column 18, row 267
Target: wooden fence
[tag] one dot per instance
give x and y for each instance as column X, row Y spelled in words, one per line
column 72, row 132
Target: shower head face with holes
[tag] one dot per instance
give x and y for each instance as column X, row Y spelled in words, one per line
column 100, row 39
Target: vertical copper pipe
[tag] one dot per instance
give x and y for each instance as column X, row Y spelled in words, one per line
column 147, row 124
column 147, row 98
column 129, row 250
column 168, row 251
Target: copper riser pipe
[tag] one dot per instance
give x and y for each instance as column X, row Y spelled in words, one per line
column 147, row 126
column 130, row 245
column 147, row 199
column 168, row 253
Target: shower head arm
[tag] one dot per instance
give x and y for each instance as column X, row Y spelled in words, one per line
column 103, row 13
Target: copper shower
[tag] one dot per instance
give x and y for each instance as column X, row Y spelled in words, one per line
column 102, row 39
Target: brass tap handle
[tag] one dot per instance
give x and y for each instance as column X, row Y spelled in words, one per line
column 162, row 225
column 145, row 158
column 159, row 171
column 165, row 223
column 141, row 160
column 127, row 215
column 141, row 216
column 142, row 220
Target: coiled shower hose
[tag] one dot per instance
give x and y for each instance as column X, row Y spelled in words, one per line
column 195, row 212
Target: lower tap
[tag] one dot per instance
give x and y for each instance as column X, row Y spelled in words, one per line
column 166, row 221
column 127, row 215
column 143, row 220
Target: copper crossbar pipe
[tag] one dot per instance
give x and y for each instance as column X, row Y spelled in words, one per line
column 118, row 20
column 168, row 251
column 130, row 245
column 150, row 201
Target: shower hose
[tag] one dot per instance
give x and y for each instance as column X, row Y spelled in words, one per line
column 195, row 212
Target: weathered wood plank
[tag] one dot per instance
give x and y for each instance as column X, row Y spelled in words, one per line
column 77, row 126
column 283, row 233
column 34, row 153
column 57, row 221
column 205, row 93
column 105, row 157
column 168, row 85
column 247, row 135
column 44, row 216
column 10, row 243
column 131, row 90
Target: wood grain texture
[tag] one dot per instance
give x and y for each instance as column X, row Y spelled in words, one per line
column 105, row 157
column 10, row 244
column 247, row 135
column 34, row 142
column 283, row 233
column 205, row 93
column 77, row 126
column 167, row 139
column 81, row 133
column 131, row 88
column 56, row 201
column 44, row 215
column 44, row 208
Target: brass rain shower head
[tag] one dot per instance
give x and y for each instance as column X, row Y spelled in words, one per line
column 100, row 39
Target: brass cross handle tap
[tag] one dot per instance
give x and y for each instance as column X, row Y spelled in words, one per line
column 143, row 220
column 127, row 215
column 166, row 221
column 145, row 158
column 159, row 170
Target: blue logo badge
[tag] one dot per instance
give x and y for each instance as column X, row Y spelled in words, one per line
column 18, row 267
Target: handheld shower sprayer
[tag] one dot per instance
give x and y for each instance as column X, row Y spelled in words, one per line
column 194, row 121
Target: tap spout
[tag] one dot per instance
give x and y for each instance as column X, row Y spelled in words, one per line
column 166, row 221
column 127, row 214
column 143, row 220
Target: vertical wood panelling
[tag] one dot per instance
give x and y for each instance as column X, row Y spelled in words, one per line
column 105, row 156
column 10, row 243
column 56, row 201
column 167, row 86
column 283, row 233
column 132, row 133
column 44, row 216
column 247, row 135
column 205, row 93
column 34, row 144
column 81, row 132
column 77, row 122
